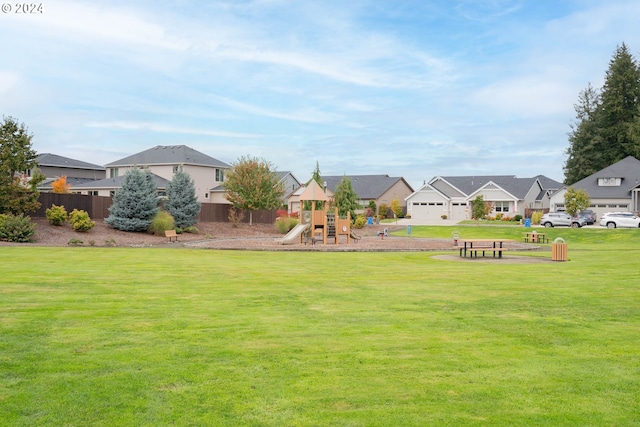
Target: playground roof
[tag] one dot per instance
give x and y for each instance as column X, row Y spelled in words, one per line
column 314, row 192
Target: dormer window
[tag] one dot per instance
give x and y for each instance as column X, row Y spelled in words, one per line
column 609, row 182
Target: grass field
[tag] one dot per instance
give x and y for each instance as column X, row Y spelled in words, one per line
column 159, row 337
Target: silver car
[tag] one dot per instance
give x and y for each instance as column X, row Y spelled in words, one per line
column 561, row 219
column 620, row 219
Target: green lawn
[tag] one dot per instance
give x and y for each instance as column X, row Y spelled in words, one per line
column 159, row 337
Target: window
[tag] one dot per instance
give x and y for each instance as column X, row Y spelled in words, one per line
column 206, row 195
column 502, row 206
column 93, row 193
column 609, row 182
column 112, row 193
column 113, row 173
column 219, row 175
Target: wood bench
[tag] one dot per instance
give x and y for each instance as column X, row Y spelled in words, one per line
column 171, row 234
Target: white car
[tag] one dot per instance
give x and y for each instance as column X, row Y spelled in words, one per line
column 620, row 219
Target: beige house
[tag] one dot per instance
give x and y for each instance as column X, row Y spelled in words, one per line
column 163, row 162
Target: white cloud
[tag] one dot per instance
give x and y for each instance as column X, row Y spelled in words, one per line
column 156, row 127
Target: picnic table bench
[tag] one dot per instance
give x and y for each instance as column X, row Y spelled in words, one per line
column 535, row 237
column 473, row 246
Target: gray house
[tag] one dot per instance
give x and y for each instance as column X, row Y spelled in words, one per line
column 77, row 172
column 452, row 195
column 614, row 188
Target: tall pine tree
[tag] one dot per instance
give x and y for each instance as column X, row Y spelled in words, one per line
column 182, row 203
column 345, row 198
column 608, row 121
column 18, row 192
column 135, row 204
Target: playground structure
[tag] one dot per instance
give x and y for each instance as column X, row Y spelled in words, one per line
column 318, row 225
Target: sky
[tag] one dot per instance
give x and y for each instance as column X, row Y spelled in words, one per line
column 408, row 88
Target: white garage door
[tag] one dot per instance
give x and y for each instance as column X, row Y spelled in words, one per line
column 427, row 211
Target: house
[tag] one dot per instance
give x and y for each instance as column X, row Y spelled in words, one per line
column 381, row 189
column 165, row 160
column 453, row 195
column 614, row 188
column 108, row 186
column 53, row 166
column 288, row 181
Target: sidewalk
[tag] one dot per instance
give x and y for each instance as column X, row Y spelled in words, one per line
column 411, row 221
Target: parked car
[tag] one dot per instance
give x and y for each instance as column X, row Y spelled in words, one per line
column 588, row 215
column 560, row 219
column 620, row 219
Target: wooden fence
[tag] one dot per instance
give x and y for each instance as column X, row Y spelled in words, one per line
column 98, row 208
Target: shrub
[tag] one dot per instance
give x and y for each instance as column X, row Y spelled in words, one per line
column 235, row 216
column 160, row 223
column 360, row 221
column 75, row 242
column 517, row 218
column 285, row 224
column 80, row 221
column 110, row 242
column 536, row 217
column 56, row 215
column 17, row 228
column 384, row 210
column 192, row 229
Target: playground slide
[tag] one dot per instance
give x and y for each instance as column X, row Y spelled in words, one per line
column 293, row 236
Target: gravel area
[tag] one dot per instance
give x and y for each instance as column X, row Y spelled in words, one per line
column 247, row 237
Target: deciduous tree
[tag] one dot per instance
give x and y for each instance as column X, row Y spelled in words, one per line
column 60, row 185
column 576, row 200
column 252, row 184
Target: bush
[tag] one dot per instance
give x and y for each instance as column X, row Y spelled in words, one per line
column 56, row 215
column 285, row 224
column 360, row 221
column 161, row 222
column 517, row 218
column 192, row 229
column 536, row 217
column 16, row 228
column 80, row 221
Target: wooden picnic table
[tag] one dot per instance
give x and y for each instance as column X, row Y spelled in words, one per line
column 473, row 246
column 535, row 237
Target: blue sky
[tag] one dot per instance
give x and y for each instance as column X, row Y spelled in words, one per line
column 412, row 88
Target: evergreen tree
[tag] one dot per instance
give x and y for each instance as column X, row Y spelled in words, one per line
column 345, row 198
column 317, row 178
column 18, row 192
column 182, row 202
column 135, row 204
column 584, row 139
column 608, row 122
